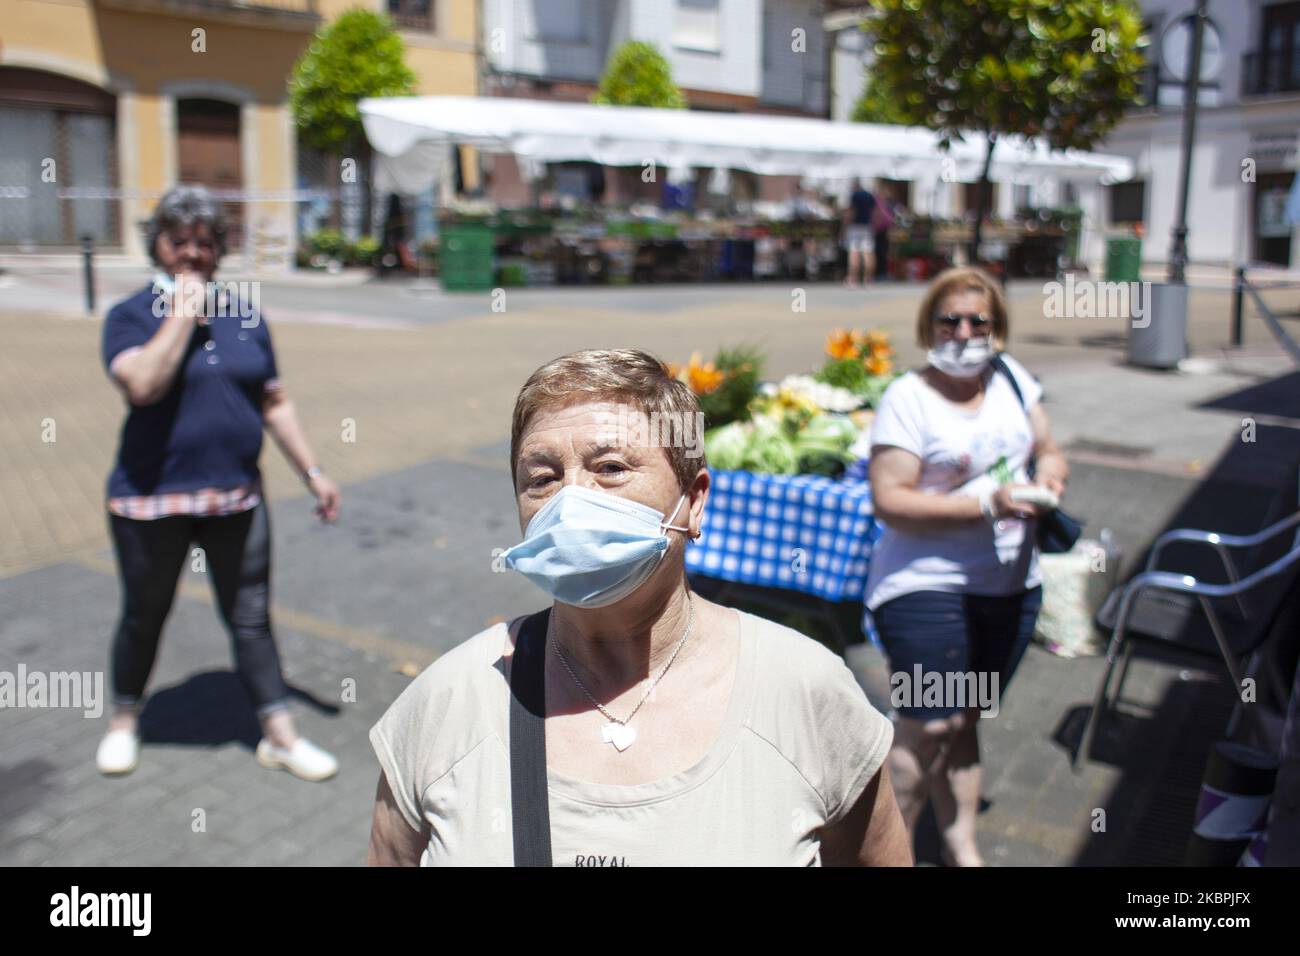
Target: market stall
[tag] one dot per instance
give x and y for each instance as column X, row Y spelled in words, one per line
column 790, row 526
column 798, row 544
column 413, row 136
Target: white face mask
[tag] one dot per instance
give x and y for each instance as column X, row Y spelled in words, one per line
column 968, row 361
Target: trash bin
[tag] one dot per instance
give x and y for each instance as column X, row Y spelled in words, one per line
column 1157, row 334
column 465, row 257
column 1123, row 260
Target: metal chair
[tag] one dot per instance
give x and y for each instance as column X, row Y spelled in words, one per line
column 1185, row 584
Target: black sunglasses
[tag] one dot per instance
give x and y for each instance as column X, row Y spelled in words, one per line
column 978, row 320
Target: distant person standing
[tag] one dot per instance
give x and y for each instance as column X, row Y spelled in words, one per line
column 201, row 386
column 859, row 237
column 881, row 221
column 390, row 253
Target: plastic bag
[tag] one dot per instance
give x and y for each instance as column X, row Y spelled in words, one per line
column 1074, row 585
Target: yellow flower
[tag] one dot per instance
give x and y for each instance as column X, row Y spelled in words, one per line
column 878, row 365
column 841, row 345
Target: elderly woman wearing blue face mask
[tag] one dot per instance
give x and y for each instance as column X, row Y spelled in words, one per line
column 667, row 729
column 954, row 587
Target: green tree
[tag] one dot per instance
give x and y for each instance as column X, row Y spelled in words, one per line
column 357, row 55
column 1059, row 70
column 638, row 75
column 875, row 106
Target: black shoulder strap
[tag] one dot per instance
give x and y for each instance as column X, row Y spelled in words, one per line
column 1000, row 365
column 529, row 802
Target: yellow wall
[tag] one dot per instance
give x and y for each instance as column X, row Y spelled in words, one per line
column 148, row 59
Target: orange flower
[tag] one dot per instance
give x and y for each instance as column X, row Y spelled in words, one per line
column 841, row 345
column 875, row 339
column 878, row 365
column 703, row 378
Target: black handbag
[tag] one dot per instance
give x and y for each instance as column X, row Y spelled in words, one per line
column 530, row 810
column 1057, row 531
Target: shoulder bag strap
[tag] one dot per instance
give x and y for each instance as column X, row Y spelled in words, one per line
column 529, row 801
column 1001, row 366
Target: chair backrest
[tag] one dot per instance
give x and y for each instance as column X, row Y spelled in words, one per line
column 1251, row 486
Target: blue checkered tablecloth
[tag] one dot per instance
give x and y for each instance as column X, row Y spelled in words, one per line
column 800, row 532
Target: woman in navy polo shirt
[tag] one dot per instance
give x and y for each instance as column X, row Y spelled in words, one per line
column 200, row 375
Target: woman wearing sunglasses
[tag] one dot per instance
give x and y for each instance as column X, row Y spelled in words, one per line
column 954, row 587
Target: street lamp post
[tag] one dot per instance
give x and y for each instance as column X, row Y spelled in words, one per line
column 1178, row 249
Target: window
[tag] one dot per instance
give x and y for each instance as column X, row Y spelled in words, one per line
column 46, row 118
column 1279, row 69
column 556, row 21
column 696, row 25
column 1021, row 197
column 412, row 14
column 1128, row 202
column 1149, row 78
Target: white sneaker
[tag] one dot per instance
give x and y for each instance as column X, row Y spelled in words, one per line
column 304, row 759
column 119, row 752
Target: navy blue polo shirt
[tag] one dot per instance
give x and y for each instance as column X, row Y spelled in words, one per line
column 864, row 205
column 206, row 432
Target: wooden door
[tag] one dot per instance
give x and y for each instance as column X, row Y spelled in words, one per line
column 208, row 153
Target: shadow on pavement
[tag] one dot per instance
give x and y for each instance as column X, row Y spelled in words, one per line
column 1161, row 754
column 1278, row 396
column 209, row 709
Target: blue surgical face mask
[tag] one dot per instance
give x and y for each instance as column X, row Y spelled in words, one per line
column 589, row 548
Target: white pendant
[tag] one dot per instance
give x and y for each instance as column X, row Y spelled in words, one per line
column 620, row 735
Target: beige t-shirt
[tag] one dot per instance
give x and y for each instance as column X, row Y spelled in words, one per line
column 798, row 745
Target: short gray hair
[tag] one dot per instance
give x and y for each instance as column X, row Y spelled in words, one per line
column 620, row 375
column 185, row 206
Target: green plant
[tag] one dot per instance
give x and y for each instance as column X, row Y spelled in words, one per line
column 742, row 370
column 327, row 242
column 1060, row 70
column 357, row 55
column 852, row 375
column 364, row 252
column 639, row 75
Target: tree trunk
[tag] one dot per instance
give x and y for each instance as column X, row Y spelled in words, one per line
column 983, row 200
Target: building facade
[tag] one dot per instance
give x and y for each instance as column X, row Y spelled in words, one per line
column 104, row 104
column 747, row 56
column 1244, row 158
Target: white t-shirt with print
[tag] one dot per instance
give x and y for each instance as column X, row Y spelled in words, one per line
column 958, row 448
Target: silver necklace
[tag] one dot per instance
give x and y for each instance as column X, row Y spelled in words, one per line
column 616, row 731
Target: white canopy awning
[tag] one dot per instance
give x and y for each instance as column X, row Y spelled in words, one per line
column 411, row 134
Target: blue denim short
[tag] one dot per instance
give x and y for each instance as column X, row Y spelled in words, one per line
column 942, row 632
